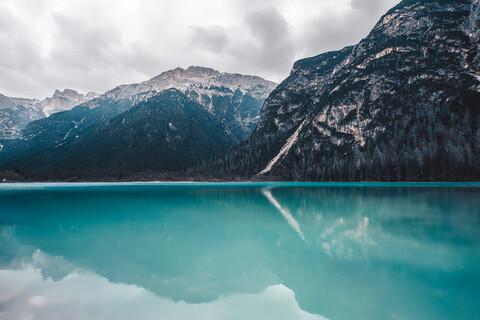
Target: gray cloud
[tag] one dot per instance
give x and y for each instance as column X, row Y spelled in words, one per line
column 19, row 55
column 373, row 7
column 94, row 45
column 330, row 30
column 212, row 38
column 83, row 45
column 264, row 45
column 268, row 47
column 268, row 25
column 275, row 47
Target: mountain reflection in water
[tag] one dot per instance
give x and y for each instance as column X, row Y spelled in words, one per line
column 339, row 251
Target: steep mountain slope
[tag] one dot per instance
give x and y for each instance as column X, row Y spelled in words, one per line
column 403, row 104
column 167, row 132
column 235, row 100
column 16, row 113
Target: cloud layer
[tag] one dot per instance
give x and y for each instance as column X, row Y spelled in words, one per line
column 94, row 45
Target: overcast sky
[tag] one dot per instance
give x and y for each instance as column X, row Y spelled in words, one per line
column 95, row 45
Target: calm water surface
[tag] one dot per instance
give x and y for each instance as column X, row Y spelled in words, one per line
column 240, row 251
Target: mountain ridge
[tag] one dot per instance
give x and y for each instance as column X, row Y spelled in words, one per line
column 233, row 101
column 349, row 114
column 168, row 132
column 16, row 113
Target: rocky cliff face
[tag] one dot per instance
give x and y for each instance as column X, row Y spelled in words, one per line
column 64, row 100
column 403, row 104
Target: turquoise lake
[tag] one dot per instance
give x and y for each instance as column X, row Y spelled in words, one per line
column 248, row 251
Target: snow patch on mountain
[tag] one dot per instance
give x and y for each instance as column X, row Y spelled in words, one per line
column 16, row 113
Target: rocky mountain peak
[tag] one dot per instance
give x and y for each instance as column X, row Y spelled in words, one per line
column 63, row 100
column 18, row 112
column 65, row 93
column 200, row 72
column 192, row 72
column 196, row 82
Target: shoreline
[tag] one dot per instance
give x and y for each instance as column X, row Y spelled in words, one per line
column 379, row 184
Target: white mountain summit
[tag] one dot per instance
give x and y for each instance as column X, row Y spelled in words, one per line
column 16, row 113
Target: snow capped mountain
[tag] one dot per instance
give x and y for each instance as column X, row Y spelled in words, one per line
column 16, row 113
column 234, row 98
column 206, row 81
column 403, row 104
column 168, row 132
column 232, row 102
column 198, row 82
column 64, row 100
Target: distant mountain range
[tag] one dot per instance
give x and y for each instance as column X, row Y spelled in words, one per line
column 16, row 113
column 174, row 120
column 402, row 104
